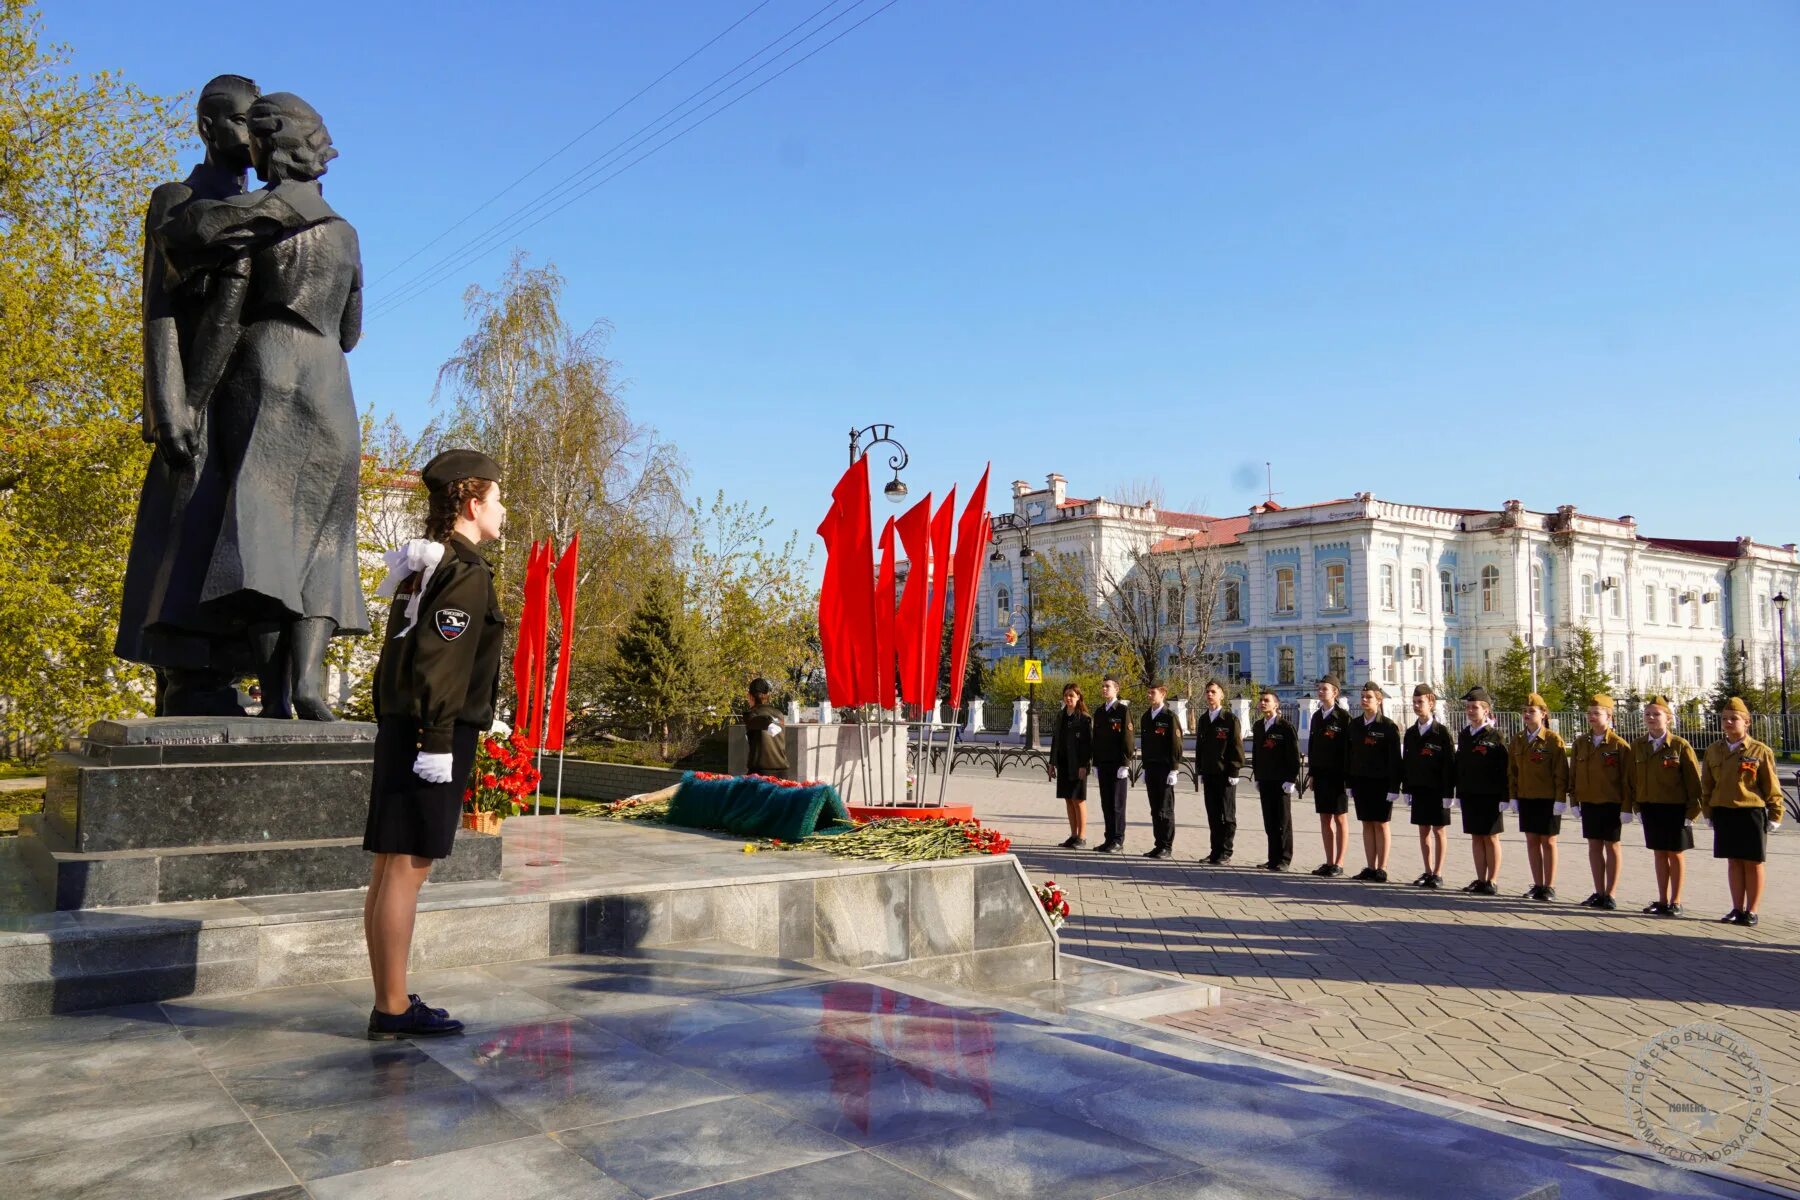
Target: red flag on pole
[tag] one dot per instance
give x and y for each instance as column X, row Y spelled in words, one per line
column 524, row 652
column 914, row 528
column 528, row 659
column 933, row 646
column 565, row 603
column 884, row 620
column 847, row 596
column 972, row 536
column 540, row 641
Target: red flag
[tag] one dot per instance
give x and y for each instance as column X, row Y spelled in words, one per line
column 933, row 635
column 524, row 651
column 884, row 620
column 972, row 536
column 540, row 640
column 914, row 528
column 565, row 602
column 847, row 596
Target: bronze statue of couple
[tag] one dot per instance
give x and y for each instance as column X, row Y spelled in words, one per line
column 244, row 557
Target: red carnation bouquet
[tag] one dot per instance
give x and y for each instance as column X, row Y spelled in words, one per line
column 504, row 776
column 1055, row 902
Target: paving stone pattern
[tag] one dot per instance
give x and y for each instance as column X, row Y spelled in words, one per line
column 1530, row 1008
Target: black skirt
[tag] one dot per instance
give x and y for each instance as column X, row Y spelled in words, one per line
column 1539, row 817
column 1741, row 833
column 1600, row 822
column 1481, row 816
column 1429, row 810
column 1666, row 828
column 1070, row 785
column 1330, row 797
column 1372, row 803
column 406, row 814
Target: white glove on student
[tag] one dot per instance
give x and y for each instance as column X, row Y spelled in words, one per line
column 1774, row 826
column 1124, row 773
column 1393, row 797
column 1287, row 789
column 432, row 768
column 1559, row 808
column 1173, row 776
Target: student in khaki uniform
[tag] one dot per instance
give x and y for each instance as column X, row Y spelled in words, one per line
column 1537, row 776
column 1740, row 796
column 1600, row 783
column 1665, row 786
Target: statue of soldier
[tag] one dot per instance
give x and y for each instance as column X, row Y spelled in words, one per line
column 195, row 670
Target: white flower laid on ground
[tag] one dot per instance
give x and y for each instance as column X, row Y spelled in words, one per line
column 1055, row 902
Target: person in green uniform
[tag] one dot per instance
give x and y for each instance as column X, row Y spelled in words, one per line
column 764, row 732
column 1537, row 774
column 435, row 686
column 1740, row 797
column 1600, row 784
column 1666, row 789
column 1071, row 758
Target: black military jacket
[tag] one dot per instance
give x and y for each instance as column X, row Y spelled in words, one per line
column 1161, row 738
column 1429, row 760
column 1114, row 738
column 445, row 670
column 1274, row 751
column 1218, row 745
column 1328, row 743
column 1071, row 741
column 768, row 743
column 1481, row 764
column 1374, row 755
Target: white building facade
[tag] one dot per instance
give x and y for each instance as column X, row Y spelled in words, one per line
column 1367, row 588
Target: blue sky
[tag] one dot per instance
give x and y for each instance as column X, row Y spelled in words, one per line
column 1446, row 253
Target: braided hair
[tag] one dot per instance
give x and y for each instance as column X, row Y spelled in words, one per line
column 444, row 505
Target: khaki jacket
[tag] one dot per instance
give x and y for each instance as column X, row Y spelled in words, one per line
column 1537, row 770
column 1667, row 776
column 1741, row 778
column 1601, row 774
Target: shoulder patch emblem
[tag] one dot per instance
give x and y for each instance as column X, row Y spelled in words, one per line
column 451, row 623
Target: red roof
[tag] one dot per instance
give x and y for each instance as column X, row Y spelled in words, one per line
column 1214, row 531
column 1709, row 549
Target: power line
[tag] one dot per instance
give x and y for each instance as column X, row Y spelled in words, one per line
column 505, row 227
column 559, row 151
column 484, row 243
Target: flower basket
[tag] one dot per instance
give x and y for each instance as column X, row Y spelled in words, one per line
column 482, row 822
column 504, row 776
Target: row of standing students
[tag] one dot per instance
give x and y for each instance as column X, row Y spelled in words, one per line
column 1368, row 763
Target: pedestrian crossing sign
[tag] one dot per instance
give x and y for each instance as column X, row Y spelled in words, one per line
column 1034, row 670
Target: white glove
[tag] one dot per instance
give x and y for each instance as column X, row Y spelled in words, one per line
column 1287, row 789
column 1774, row 826
column 1173, row 776
column 1232, row 783
column 1625, row 818
column 1124, row 773
column 432, row 768
column 1393, row 797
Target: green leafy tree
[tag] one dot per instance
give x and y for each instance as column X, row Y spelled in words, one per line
column 1580, row 672
column 650, row 683
column 1511, row 682
column 79, row 156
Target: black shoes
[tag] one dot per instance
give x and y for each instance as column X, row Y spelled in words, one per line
column 1593, row 900
column 1420, row 881
column 1746, row 918
column 1654, row 908
column 1157, row 852
column 1433, row 882
column 1671, row 910
column 1377, row 875
column 1074, row 843
column 1534, row 892
column 416, row 1022
column 1542, row 891
column 1108, row 848
column 1328, row 871
column 1484, row 887
column 1472, row 887
column 1274, row 866
column 1731, row 918
column 1607, row 904
column 1366, row 875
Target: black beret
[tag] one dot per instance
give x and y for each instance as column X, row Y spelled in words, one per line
column 1332, row 680
column 1372, row 686
column 453, row 465
column 1424, row 689
column 1477, row 694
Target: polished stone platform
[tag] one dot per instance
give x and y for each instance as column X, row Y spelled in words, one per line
column 172, row 809
column 710, row 1072
column 567, row 885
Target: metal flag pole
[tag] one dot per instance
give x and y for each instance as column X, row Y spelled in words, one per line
column 559, row 773
column 949, row 764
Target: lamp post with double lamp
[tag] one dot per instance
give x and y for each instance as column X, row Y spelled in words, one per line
column 1012, row 521
column 878, row 434
column 1780, row 601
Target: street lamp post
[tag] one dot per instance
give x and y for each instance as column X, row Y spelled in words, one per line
column 1780, row 601
column 877, row 434
column 1011, row 521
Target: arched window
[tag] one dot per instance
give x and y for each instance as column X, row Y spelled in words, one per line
column 1337, row 595
column 1447, row 593
column 1490, row 588
column 1387, row 586
column 1416, row 588
column 1587, row 595
column 1284, row 660
column 1284, row 589
column 1537, row 587
column 1002, row 605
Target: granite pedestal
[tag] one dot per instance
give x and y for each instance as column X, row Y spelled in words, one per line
column 174, row 809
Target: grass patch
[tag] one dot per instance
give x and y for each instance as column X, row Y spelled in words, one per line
column 17, row 770
column 14, row 805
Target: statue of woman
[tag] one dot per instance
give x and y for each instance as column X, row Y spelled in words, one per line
column 281, row 564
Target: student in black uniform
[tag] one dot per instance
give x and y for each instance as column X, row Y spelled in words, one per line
column 1373, row 769
column 1482, row 783
column 1159, row 742
column 1428, row 762
column 1327, row 743
column 435, row 685
column 763, row 730
column 1219, row 756
column 1071, row 755
column 1114, row 744
column 1275, row 764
